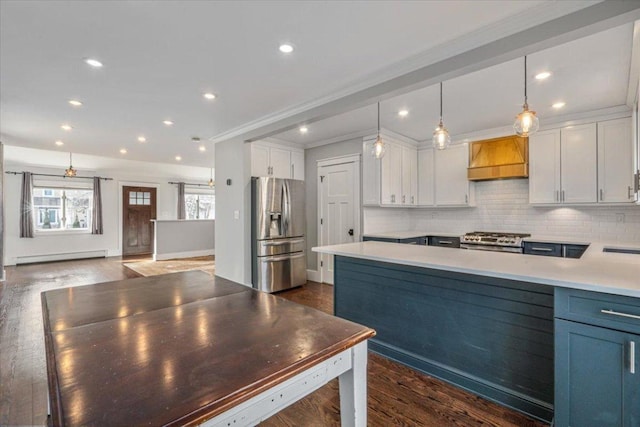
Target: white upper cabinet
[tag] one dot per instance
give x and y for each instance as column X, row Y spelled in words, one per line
column 275, row 161
column 615, row 162
column 585, row 164
column 426, row 178
column 452, row 188
column 392, row 180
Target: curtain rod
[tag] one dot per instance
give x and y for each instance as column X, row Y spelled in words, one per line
column 60, row 176
column 195, row 185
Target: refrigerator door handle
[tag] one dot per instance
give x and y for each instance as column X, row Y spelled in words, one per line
column 282, row 258
column 288, row 242
column 286, row 208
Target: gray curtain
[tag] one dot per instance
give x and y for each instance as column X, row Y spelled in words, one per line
column 96, row 218
column 26, row 211
column 182, row 214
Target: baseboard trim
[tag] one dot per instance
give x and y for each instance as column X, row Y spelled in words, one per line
column 31, row 259
column 314, row 275
column 187, row 254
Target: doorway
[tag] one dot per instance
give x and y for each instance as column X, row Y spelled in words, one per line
column 339, row 205
column 138, row 209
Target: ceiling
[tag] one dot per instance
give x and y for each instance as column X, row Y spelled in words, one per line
column 161, row 57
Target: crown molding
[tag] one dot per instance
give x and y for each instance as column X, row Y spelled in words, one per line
column 634, row 69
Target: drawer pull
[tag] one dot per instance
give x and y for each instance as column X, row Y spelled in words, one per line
column 632, row 357
column 534, row 248
column 617, row 313
column 445, row 242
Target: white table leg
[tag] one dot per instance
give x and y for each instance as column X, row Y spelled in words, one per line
column 353, row 389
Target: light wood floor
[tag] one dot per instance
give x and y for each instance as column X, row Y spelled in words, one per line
column 398, row 396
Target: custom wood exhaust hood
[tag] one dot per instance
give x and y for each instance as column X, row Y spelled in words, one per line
column 499, row 158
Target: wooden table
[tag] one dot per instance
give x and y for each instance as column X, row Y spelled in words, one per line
column 186, row 349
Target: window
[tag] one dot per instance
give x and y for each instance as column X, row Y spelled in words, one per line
column 200, row 205
column 62, row 208
column 139, row 198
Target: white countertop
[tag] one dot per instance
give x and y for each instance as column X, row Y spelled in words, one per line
column 596, row 271
column 410, row 234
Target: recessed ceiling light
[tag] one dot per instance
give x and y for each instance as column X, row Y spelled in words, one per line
column 403, row 113
column 93, row 62
column 66, row 127
column 209, row 95
column 59, row 143
column 142, row 139
column 167, row 122
column 75, row 102
column 178, row 158
column 286, row 48
column 559, row 105
column 123, row 151
column 543, row 75
column 304, row 129
column 202, row 148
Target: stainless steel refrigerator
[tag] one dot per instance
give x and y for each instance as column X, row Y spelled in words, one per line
column 277, row 234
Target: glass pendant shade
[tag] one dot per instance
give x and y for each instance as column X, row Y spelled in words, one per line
column 441, row 137
column 379, row 147
column 527, row 122
column 211, row 183
column 70, row 171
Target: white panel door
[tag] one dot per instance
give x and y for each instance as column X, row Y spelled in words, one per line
column 409, row 176
column 426, row 175
column 579, row 164
column 370, row 175
column 391, row 175
column 452, row 186
column 615, row 161
column 280, row 161
column 337, row 211
column 259, row 160
column 544, row 167
column 297, row 165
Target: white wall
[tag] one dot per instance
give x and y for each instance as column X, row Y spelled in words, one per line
column 73, row 242
column 183, row 238
column 233, row 216
column 504, row 206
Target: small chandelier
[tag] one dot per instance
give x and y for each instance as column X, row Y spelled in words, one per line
column 378, row 149
column 70, row 171
column 211, row 183
column 441, row 137
column 527, row 122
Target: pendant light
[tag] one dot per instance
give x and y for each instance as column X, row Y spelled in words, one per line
column 211, row 183
column 527, row 122
column 71, row 171
column 378, row 149
column 441, row 137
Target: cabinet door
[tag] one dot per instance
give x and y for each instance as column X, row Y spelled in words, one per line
column 426, row 175
column 594, row 386
column 544, row 167
column 615, row 161
column 391, row 176
column 370, row 175
column 280, row 161
column 452, row 186
column 579, row 164
column 409, row 176
column 297, row 165
column 259, row 160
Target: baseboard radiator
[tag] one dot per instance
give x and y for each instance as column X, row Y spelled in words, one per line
column 31, row 259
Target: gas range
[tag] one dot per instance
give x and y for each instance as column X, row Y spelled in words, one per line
column 493, row 241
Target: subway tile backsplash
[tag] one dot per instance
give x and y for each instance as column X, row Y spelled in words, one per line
column 504, row 206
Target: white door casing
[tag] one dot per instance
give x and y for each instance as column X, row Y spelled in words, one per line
column 339, row 207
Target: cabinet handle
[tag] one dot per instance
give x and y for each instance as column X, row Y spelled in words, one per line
column 632, row 357
column 533, row 248
column 629, row 194
column 293, row 170
column 445, row 242
column 412, row 202
column 601, row 195
column 617, row 313
column 404, row 199
column 466, row 198
column 563, row 195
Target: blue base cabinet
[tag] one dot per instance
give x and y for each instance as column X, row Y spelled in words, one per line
column 597, row 343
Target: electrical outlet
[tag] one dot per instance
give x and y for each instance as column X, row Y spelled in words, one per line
column 620, row 218
column 236, row 214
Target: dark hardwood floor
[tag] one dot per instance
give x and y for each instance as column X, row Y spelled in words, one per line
column 398, row 396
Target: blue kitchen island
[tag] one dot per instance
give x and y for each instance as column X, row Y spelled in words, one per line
column 520, row 330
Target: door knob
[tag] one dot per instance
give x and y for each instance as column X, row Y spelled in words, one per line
column 350, row 232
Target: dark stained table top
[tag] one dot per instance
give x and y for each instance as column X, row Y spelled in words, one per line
column 176, row 349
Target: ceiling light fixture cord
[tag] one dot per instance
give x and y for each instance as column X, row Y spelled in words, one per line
column 525, row 81
column 441, row 103
column 378, row 118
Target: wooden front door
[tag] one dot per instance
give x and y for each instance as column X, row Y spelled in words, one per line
column 139, row 208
